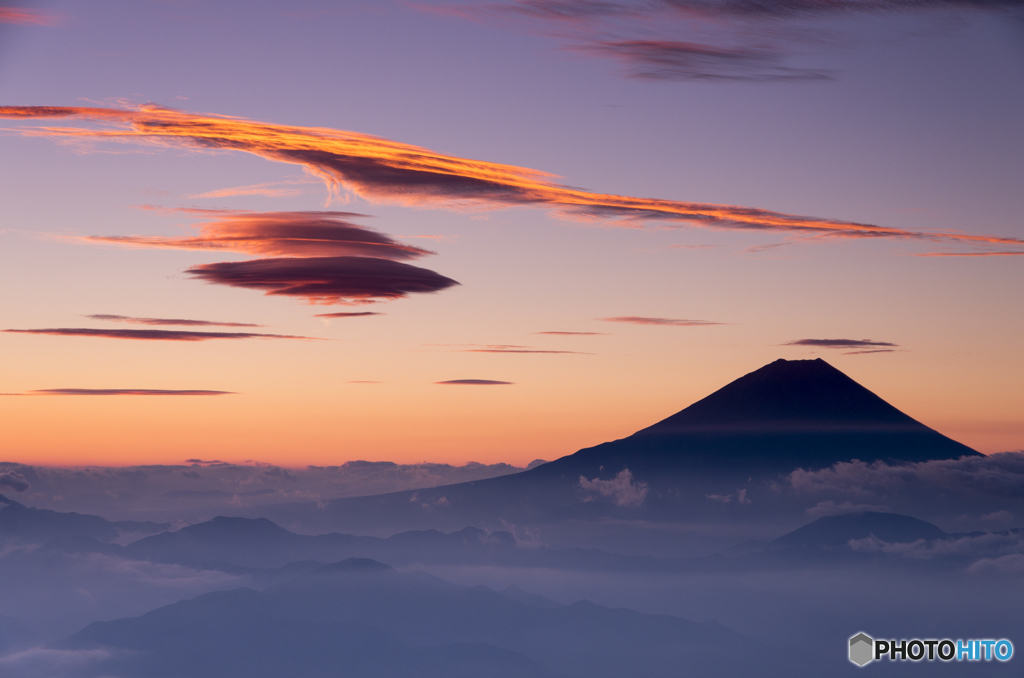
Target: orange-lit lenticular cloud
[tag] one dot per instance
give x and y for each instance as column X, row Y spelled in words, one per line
column 150, row 335
column 119, row 392
column 180, row 322
column 285, row 234
column 677, row 322
column 319, row 257
column 385, row 170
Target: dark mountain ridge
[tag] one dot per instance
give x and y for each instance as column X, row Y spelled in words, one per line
column 374, row 621
column 25, row 524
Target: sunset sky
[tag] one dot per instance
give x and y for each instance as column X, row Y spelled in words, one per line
column 312, row 232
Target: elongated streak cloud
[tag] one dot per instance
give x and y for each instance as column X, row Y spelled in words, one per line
column 151, row 335
column 350, row 314
column 327, row 280
column 121, row 392
column 391, row 171
column 573, row 334
column 842, row 343
column 182, row 322
column 474, row 382
column 641, row 320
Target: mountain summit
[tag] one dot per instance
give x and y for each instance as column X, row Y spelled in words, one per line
column 789, row 394
column 788, row 414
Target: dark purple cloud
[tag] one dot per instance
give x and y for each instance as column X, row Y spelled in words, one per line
column 517, row 349
column 574, row 334
column 165, row 321
column 151, row 335
column 675, row 60
column 475, row 382
column 121, row 392
column 353, row 314
column 877, row 350
column 15, row 481
column 641, row 320
column 326, row 279
column 706, row 40
column 843, row 343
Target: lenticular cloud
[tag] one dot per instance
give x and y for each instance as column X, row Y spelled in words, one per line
column 326, row 280
column 318, row 256
column 283, row 234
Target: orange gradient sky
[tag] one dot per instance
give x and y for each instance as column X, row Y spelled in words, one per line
column 375, row 162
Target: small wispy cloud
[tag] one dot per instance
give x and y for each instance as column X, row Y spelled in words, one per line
column 120, row 392
column 474, row 382
column 502, row 349
column 352, row 314
column 165, row 321
column 877, row 350
column 642, row 320
column 25, row 16
column 573, row 334
column 679, row 60
column 150, row 335
column 277, row 189
column 971, row 254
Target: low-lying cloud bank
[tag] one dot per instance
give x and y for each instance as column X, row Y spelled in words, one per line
column 963, row 494
column 200, row 489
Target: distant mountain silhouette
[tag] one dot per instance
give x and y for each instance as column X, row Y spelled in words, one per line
column 28, row 525
column 789, row 414
column 838, row 530
column 362, row 618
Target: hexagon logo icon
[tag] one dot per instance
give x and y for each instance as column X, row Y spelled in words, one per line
column 862, row 649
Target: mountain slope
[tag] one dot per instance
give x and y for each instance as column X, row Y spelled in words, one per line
column 788, row 414
column 25, row 524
